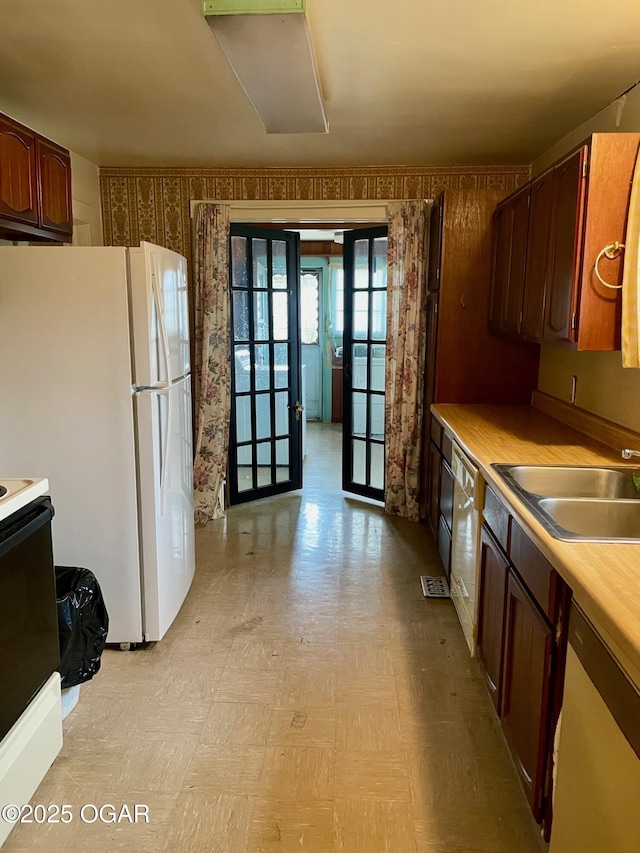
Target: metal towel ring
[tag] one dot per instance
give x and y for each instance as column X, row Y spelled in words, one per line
column 612, row 251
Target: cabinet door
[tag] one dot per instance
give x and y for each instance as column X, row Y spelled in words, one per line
column 54, row 173
column 565, row 246
column 511, row 221
column 18, row 195
column 536, row 269
column 446, row 493
column 512, row 319
column 494, row 570
column 434, row 487
column 526, row 685
column 444, row 545
column 502, row 236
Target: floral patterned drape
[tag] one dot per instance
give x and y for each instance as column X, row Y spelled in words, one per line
column 212, row 359
column 406, row 329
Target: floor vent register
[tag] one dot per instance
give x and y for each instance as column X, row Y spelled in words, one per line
column 434, row 587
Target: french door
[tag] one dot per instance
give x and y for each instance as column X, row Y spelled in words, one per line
column 364, row 360
column 265, row 448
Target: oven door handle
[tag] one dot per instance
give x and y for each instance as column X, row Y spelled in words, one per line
column 25, row 527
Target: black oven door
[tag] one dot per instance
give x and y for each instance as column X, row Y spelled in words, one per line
column 29, row 650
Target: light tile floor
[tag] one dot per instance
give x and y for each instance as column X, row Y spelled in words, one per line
column 307, row 699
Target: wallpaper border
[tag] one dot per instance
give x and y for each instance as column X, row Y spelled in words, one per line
column 153, row 203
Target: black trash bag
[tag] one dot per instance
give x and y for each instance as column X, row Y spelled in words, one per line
column 83, row 623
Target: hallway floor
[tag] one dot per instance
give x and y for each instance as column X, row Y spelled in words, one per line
column 307, row 699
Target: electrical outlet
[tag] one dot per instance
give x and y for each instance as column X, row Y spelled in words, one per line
column 572, row 392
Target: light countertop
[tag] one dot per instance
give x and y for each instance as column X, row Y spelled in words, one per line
column 604, row 577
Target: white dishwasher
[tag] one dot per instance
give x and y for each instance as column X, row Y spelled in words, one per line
column 468, row 489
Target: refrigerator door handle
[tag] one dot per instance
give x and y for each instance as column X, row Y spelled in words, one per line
column 157, row 294
column 164, row 464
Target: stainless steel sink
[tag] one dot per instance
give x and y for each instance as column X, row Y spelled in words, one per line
column 580, row 503
column 575, row 482
column 617, row 520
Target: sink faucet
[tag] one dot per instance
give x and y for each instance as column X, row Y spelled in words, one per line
column 627, row 454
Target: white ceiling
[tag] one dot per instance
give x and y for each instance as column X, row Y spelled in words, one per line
column 405, row 82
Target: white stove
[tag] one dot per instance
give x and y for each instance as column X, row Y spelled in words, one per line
column 16, row 493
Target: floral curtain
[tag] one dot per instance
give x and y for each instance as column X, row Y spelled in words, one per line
column 406, row 329
column 212, row 359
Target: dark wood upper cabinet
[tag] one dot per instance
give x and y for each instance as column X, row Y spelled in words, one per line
column 511, row 221
column 565, row 248
column 577, row 208
column 526, row 684
column 54, row 179
column 18, row 194
column 536, row 270
column 35, row 186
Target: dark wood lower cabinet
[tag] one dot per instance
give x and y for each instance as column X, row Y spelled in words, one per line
column 526, row 683
column 434, row 487
column 521, row 648
column 491, row 608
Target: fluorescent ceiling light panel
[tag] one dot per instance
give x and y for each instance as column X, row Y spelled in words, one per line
column 270, row 53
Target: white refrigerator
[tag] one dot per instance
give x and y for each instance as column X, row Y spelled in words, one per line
column 95, row 396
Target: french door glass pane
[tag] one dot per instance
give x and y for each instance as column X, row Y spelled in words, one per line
column 361, row 258
column 260, row 316
column 279, row 261
column 378, row 366
column 360, row 316
column 380, row 262
column 263, row 370
column 242, row 357
column 359, row 414
column 376, row 423
column 379, row 315
column 239, row 276
column 280, row 316
column 263, row 416
column 359, row 462
column 243, row 419
column 245, row 468
column 240, row 315
column 359, row 366
column 281, row 362
column 264, row 465
column 282, row 460
column 282, row 412
column 260, row 266
column 377, row 466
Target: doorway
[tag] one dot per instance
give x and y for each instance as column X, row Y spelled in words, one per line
column 299, row 215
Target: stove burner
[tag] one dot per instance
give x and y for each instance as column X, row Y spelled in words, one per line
column 3, row 491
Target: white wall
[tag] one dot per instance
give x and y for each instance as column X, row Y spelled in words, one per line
column 603, row 386
column 85, row 192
